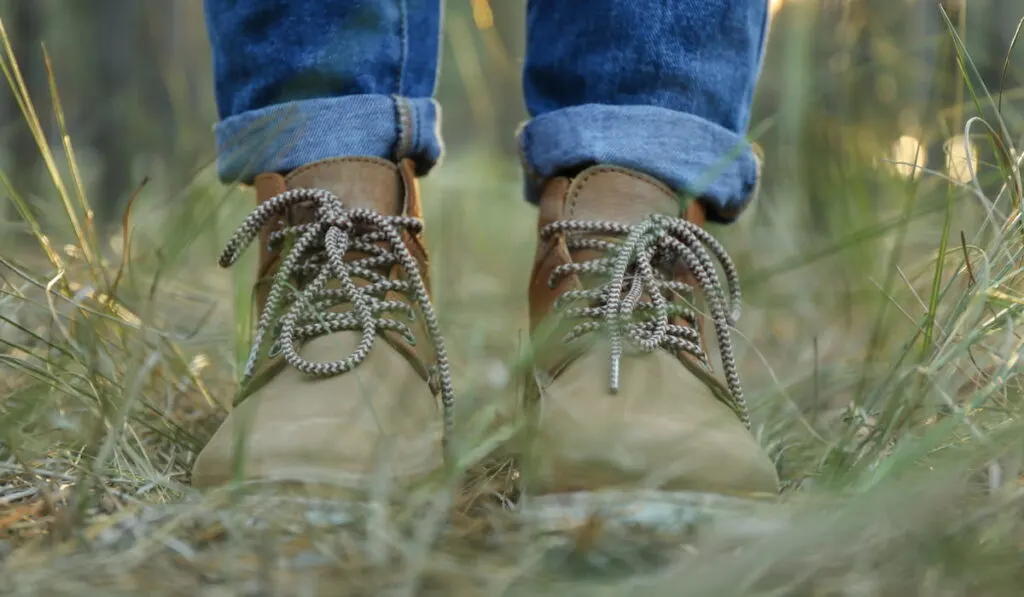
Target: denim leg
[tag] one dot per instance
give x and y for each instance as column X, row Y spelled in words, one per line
column 303, row 80
column 660, row 86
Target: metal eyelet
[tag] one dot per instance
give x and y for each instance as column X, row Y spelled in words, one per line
column 275, row 349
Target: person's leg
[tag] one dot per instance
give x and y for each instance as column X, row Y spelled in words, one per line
column 327, row 111
column 639, row 109
column 661, row 87
column 303, row 80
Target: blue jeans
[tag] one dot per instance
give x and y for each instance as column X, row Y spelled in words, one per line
column 660, row 86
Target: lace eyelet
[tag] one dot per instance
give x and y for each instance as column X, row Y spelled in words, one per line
column 275, row 349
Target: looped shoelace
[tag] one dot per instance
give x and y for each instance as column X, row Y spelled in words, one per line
column 317, row 257
column 635, row 265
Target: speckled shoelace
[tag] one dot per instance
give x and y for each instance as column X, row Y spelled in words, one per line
column 635, row 265
column 317, row 256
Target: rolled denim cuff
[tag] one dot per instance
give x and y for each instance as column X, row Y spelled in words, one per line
column 286, row 136
column 690, row 154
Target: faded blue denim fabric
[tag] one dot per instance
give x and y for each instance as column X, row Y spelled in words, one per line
column 661, row 86
column 302, row 80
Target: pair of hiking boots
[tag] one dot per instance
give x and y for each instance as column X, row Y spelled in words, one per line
column 349, row 378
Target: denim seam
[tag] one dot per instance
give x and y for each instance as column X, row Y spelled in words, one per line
column 531, row 178
column 765, row 25
column 755, row 188
column 406, row 133
column 404, row 116
column 440, row 47
column 403, row 37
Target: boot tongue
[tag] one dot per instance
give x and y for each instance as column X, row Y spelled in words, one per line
column 613, row 194
column 360, row 183
column 618, row 195
column 365, row 183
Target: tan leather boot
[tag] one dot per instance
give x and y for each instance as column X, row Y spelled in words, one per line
column 623, row 394
column 349, row 376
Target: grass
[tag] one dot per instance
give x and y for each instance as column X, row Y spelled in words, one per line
column 882, row 365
